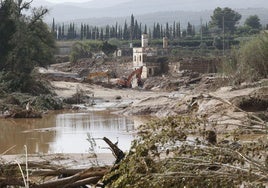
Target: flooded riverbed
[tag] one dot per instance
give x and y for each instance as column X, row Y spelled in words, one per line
column 66, row 133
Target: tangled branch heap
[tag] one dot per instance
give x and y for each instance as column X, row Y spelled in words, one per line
column 180, row 151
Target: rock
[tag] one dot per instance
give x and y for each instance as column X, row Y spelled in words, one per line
column 118, row 97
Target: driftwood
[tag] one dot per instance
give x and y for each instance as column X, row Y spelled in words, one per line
column 24, row 114
column 118, row 153
column 76, row 177
column 62, row 177
column 88, row 176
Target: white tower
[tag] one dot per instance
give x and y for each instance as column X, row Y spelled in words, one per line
column 165, row 42
column 144, row 40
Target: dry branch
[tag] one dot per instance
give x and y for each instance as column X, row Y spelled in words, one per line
column 90, row 176
column 118, row 153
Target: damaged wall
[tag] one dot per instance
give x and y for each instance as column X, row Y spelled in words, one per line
column 200, row 65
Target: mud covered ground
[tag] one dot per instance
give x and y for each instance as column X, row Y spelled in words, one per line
column 203, row 96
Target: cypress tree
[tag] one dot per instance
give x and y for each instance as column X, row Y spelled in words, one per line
column 167, row 31
column 88, row 33
column 174, row 30
column 62, row 31
column 132, row 29
column 125, row 32
column 82, row 32
column 145, row 29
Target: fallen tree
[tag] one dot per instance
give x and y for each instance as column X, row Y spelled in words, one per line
column 46, row 175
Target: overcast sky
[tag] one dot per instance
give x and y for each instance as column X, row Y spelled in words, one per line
column 62, row 1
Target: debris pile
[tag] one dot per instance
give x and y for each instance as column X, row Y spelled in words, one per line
column 185, row 152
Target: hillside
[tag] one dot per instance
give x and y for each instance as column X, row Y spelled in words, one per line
column 122, row 8
column 183, row 17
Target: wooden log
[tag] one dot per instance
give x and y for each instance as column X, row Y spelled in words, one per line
column 91, row 180
column 88, row 176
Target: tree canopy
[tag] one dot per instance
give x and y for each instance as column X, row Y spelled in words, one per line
column 226, row 18
column 25, row 40
column 253, row 22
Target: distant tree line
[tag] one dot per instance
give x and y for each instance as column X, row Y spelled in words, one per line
column 129, row 31
column 224, row 21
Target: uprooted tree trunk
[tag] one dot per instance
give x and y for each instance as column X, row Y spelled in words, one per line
column 69, row 177
column 118, row 153
column 76, row 177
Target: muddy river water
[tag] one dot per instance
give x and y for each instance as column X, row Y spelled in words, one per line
column 66, row 132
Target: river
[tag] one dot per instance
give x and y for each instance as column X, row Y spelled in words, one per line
column 66, row 132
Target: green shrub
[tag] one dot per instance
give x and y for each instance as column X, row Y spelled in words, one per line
column 80, row 50
column 249, row 62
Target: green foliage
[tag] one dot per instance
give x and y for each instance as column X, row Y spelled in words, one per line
column 243, row 30
column 80, row 50
column 26, row 42
column 7, row 28
column 47, row 102
column 108, row 48
column 226, row 18
column 22, row 82
column 29, row 43
column 87, row 49
column 253, row 22
column 250, row 61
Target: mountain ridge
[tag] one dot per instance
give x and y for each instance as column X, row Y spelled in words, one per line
column 170, row 16
column 105, row 12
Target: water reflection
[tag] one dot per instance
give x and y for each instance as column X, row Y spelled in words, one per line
column 73, row 129
column 65, row 133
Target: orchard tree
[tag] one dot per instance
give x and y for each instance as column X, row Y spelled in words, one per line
column 226, row 18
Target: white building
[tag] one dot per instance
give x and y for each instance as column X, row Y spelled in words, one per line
column 141, row 55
